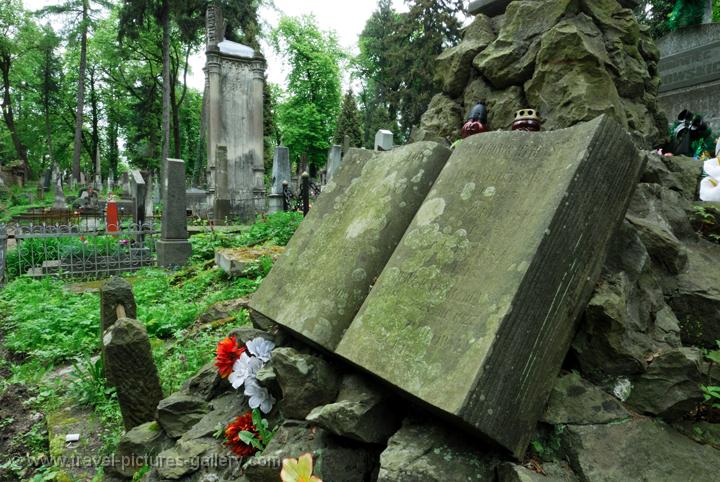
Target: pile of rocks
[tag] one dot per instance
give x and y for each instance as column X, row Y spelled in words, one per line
column 572, row 60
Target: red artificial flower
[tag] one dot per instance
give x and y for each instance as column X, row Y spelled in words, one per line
column 244, row 423
column 227, row 352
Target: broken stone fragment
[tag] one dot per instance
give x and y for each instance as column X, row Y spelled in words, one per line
column 670, row 388
column 360, row 413
column 334, row 459
column 579, row 402
column 306, row 381
column 178, row 413
column 639, row 449
column 424, row 450
column 137, row 447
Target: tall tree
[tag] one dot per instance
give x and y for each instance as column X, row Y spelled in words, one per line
column 14, row 26
column 81, row 13
column 397, row 57
column 50, row 83
column 348, row 123
column 308, row 114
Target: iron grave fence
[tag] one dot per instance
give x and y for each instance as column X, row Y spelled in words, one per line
column 68, row 250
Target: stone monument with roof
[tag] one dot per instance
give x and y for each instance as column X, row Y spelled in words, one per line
column 234, row 82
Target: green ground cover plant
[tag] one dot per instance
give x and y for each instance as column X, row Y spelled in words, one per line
column 45, row 326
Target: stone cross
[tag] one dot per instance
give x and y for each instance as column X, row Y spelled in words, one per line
column 384, row 140
column 280, row 173
column 173, row 249
column 333, row 162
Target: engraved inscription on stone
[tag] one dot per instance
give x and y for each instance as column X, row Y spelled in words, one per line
column 692, row 67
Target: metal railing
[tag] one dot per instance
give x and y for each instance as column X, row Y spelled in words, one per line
column 70, row 251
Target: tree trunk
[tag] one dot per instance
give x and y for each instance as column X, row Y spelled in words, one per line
column 95, row 135
column 165, row 20
column 77, row 148
column 9, row 116
column 46, row 108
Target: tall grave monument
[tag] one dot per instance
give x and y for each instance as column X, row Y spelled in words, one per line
column 689, row 71
column 234, row 82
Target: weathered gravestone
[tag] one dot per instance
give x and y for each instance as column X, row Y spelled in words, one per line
column 333, row 161
column 173, row 249
column 474, row 310
column 59, row 204
column 689, row 71
column 129, row 367
column 235, row 80
column 280, row 173
column 127, row 355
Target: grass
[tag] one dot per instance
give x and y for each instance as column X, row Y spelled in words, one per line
column 46, row 326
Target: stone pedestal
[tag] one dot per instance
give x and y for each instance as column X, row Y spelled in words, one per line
column 223, row 206
column 174, row 249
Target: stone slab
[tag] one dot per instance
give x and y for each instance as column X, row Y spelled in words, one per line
column 236, row 261
column 172, row 253
column 358, row 220
column 474, row 312
column 691, row 67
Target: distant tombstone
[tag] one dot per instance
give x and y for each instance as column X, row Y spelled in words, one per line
column 222, row 206
column 47, row 179
column 83, row 178
column 59, row 204
column 280, row 173
column 111, row 181
column 333, row 162
column 235, row 80
column 130, row 368
column 173, row 249
column 689, row 70
column 137, row 193
column 384, row 140
column 346, row 144
column 197, row 201
column 3, row 248
column 125, row 182
column 149, row 194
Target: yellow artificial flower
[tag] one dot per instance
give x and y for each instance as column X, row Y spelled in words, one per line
column 298, row 470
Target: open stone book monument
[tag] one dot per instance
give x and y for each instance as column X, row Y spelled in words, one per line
column 463, row 276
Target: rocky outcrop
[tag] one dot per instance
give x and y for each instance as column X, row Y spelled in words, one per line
column 571, row 60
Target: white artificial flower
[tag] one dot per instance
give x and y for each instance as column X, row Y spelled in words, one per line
column 259, row 396
column 244, row 368
column 709, row 186
column 261, row 348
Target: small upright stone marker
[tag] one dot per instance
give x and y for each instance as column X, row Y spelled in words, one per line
column 384, row 140
column 334, row 160
column 130, row 368
column 280, row 173
column 137, row 193
column 173, row 249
